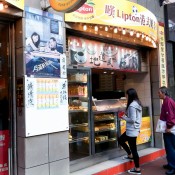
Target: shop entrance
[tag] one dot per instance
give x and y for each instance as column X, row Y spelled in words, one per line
column 6, row 97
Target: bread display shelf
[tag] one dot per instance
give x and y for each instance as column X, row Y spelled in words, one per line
column 74, row 140
column 71, row 96
column 107, row 129
column 108, row 140
column 77, row 125
column 83, row 82
column 78, row 110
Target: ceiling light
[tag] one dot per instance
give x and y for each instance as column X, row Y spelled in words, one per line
column 123, row 31
column 85, row 27
column 131, row 32
column 138, row 35
column 115, row 30
column 96, row 28
column 106, row 28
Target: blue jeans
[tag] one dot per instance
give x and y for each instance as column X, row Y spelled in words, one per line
column 169, row 141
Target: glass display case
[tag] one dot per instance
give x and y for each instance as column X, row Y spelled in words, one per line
column 79, row 114
column 105, row 131
column 106, row 123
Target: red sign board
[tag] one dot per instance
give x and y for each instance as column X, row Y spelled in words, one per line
column 4, row 143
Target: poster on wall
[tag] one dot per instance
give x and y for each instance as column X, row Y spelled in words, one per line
column 46, row 105
column 95, row 54
column 4, row 144
column 44, row 43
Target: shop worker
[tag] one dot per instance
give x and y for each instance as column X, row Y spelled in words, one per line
column 133, row 118
column 168, row 115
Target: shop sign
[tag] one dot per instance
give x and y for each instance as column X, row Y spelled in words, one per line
column 17, row 3
column 162, row 57
column 66, row 5
column 89, row 53
column 4, row 143
column 123, row 14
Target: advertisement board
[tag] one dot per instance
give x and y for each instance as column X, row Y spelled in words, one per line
column 145, row 131
column 46, row 105
column 95, row 54
column 44, row 44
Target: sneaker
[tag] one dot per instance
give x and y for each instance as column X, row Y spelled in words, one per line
column 128, row 158
column 134, row 171
column 166, row 166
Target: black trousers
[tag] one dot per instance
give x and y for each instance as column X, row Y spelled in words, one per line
column 132, row 148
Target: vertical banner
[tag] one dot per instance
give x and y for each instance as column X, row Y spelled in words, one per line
column 4, row 142
column 162, row 57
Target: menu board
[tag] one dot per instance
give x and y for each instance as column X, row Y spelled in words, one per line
column 45, row 100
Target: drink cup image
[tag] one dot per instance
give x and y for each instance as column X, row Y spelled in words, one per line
column 80, row 57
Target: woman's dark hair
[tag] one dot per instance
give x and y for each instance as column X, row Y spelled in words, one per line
column 132, row 95
column 35, row 43
column 165, row 90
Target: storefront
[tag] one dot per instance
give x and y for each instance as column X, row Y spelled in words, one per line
column 9, row 15
column 110, row 46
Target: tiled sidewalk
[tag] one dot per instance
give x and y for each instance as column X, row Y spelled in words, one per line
column 119, row 165
column 152, row 168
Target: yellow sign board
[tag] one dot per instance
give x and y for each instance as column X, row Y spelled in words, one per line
column 66, row 5
column 122, row 13
column 17, row 3
column 162, row 57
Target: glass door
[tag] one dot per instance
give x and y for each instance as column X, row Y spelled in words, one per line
column 79, row 113
column 5, row 86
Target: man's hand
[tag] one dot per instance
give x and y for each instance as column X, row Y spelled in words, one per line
column 168, row 130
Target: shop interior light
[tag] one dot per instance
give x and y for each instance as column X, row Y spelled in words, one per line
column 146, row 38
column 104, row 72
column 115, row 30
column 106, row 28
column 96, row 28
column 154, row 44
column 85, row 27
column 131, row 32
column 124, row 32
column 143, row 36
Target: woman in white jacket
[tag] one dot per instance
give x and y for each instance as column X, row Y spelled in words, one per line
column 133, row 123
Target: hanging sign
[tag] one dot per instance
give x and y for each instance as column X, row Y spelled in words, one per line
column 122, row 13
column 17, row 3
column 66, row 5
column 162, row 57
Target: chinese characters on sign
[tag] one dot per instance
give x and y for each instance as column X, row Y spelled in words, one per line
column 63, row 92
column 63, row 68
column 30, row 93
column 162, row 57
column 90, row 53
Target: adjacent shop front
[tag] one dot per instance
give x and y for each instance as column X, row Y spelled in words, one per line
column 110, row 46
